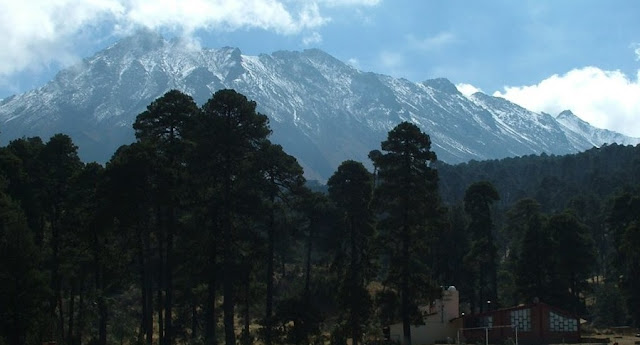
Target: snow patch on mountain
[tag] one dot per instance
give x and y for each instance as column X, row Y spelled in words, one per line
column 321, row 110
column 576, row 127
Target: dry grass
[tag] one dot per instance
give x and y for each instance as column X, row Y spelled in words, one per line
column 619, row 339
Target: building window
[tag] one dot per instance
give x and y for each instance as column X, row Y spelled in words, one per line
column 559, row 323
column 521, row 318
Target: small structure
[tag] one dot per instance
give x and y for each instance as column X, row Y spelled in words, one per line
column 441, row 321
column 536, row 323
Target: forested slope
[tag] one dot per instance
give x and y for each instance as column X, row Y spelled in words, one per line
column 203, row 229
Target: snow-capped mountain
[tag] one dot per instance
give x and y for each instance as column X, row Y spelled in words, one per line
column 321, row 110
column 528, row 131
column 591, row 136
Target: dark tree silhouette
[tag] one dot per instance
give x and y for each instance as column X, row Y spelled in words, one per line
column 482, row 257
column 351, row 188
column 237, row 134
column 408, row 203
column 162, row 126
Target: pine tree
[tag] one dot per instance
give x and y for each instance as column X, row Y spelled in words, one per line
column 483, row 254
column 351, row 188
column 574, row 257
column 161, row 126
column 23, row 286
column 281, row 178
column 408, row 204
column 230, row 133
column 129, row 193
column 534, row 264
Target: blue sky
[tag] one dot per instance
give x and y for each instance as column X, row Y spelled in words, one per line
column 546, row 55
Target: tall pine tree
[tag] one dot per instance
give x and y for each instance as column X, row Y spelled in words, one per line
column 351, row 188
column 408, row 204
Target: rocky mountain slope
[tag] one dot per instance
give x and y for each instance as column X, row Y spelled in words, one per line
column 321, row 110
column 590, row 136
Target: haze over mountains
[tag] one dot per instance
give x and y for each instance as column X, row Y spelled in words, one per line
column 321, row 110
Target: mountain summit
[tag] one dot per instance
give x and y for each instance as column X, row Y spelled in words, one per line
column 321, row 110
column 576, row 127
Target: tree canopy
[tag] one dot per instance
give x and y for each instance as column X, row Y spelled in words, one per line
column 202, row 231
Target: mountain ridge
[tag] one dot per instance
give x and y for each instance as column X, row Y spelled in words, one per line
column 321, row 110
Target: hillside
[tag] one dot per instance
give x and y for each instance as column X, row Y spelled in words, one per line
column 321, row 110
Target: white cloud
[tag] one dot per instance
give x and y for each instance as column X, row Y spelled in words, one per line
column 391, row 60
column 313, row 38
column 636, row 49
column 189, row 15
column 7, row 84
column 337, row 3
column 40, row 32
column 606, row 99
column 355, row 63
column 432, row 42
column 467, row 89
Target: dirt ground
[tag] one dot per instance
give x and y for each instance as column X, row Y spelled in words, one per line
column 615, row 338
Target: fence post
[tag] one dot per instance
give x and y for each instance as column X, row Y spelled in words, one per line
column 486, row 335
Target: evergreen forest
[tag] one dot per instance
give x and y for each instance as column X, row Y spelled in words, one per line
column 203, row 231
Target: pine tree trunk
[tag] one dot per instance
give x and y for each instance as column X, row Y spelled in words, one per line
column 194, row 319
column 269, row 280
column 307, row 286
column 169, row 278
column 60, row 312
column 406, row 319
column 210, row 316
column 143, row 287
column 148, row 287
column 102, row 323
column 102, row 307
column 210, row 304
column 246, row 332
column 355, row 336
column 481, row 287
column 493, row 261
column 72, row 299
column 81, row 312
column 228, row 305
column 99, row 284
column 56, row 282
column 161, row 279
